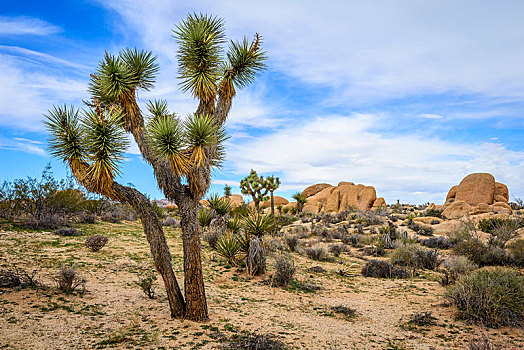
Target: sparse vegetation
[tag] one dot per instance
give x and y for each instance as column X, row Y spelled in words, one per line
column 490, row 296
column 68, row 280
column 284, row 270
column 96, row 242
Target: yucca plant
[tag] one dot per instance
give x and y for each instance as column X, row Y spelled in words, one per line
column 182, row 152
column 228, row 247
column 301, row 200
column 257, row 224
column 221, row 206
column 234, row 224
column 204, row 217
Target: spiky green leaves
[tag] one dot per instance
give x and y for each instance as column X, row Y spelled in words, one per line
column 105, row 142
column 92, row 144
column 167, row 139
column 64, row 127
column 117, row 77
column 244, row 61
column 200, row 38
column 188, row 144
column 257, row 224
column 158, row 108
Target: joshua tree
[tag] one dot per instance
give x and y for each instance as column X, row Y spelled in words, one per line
column 227, row 190
column 182, row 153
column 301, row 200
column 255, row 186
column 272, row 184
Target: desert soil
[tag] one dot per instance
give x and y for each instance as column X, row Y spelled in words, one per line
column 114, row 313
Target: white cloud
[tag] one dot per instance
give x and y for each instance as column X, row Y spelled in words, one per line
column 431, row 116
column 26, row 26
column 346, row 148
column 23, row 145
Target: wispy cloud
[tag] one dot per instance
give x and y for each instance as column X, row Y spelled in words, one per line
column 346, row 148
column 26, row 26
column 23, row 145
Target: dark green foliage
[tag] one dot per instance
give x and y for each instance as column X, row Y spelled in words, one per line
column 433, row 212
column 256, row 186
column 257, row 224
column 147, row 284
column 221, row 206
column 68, row 231
column 96, row 242
column 316, row 253
column 204, row 217
column 284, row 270
column 291, row 242
column 490, row 225
column 227, row 190
column 158, row 211
column 493, row 297
column 68, row 280
column 301, row 200
column 383, row 269
column 473, row 249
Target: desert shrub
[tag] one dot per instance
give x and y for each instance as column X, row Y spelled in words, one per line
column 68, row 231
column 204, row 217
column 346, row 311
column 456, row 266
column 516, row 252
column 384, row 241
column 337, row 249
column 472, row 248
column 291, row 242
column 490, row 296
column 86, row 218
column 46, row 221
column 253, row 341
column 256, row 257
column 383, row 269
column 490, row 225
column 425, row 230
column 317, row 253
column 414, row 256
column 171, row 221
column 116, row 212
column 440, row 242
column 228, row 247
column 434, row 212
column 503, row 230
column 373, row 217
column 96, row 242
column 517, row 204
column 234, row 225
column 158, row 211
column 374, row 251
column 111, row 216
column 283, row 220
column 354, row 240
column 147, row 284
column 485, row 343
column 425, row 318
column 68, row 280
column 273, row 244
column 18, row 278
column 284, row 270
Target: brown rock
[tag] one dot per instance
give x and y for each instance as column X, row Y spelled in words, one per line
column 499, row 198
column 290, row 205
column 501, row 190
column 480, row 209
column 267, row 204
column 312, row 206
column 431, row 206
column 314, row 189
column 367, row 197
column 323, row 195
column 379, row 202
column 456, row 210
column 345, row 183
column 332, row 202
column 236, row 200
column 501, row 208
column 349, row 196
column 476, row 188
column 427, row 220
column 452, row 193
column 446, row 227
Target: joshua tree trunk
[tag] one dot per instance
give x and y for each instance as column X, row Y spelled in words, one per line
column 157, row 242
column 196, row 305
column 272, row 205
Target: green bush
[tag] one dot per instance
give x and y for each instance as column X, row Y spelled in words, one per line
column 454, row 267
column 516, row 252
column 383, row 269
column 414, row 256
column 434, row 212
column 472, row 248
column 490, row 296
column 204, row 217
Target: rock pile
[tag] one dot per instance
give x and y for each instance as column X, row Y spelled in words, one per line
column 477, row 194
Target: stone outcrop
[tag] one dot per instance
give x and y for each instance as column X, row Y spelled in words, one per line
column 325, row 198
column 267, row 204
column 477, row 194
column 236, row 200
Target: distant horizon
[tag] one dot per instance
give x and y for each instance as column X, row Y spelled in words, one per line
column 406, row 98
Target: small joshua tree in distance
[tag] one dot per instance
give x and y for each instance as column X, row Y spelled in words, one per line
column 227, row 190
column 301, row 200
column 256, row 187
column 272, row 184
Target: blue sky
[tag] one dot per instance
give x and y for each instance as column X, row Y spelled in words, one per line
column 406, row 96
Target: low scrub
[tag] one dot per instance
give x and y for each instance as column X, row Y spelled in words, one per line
column 291, row 242
column 284, row 270
column 493, row 297
column 414, row 256
column 383, row 269
column 317, row 253
column 68, row 280
column 455, row 267
column 96, row 242
column 68, row 231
